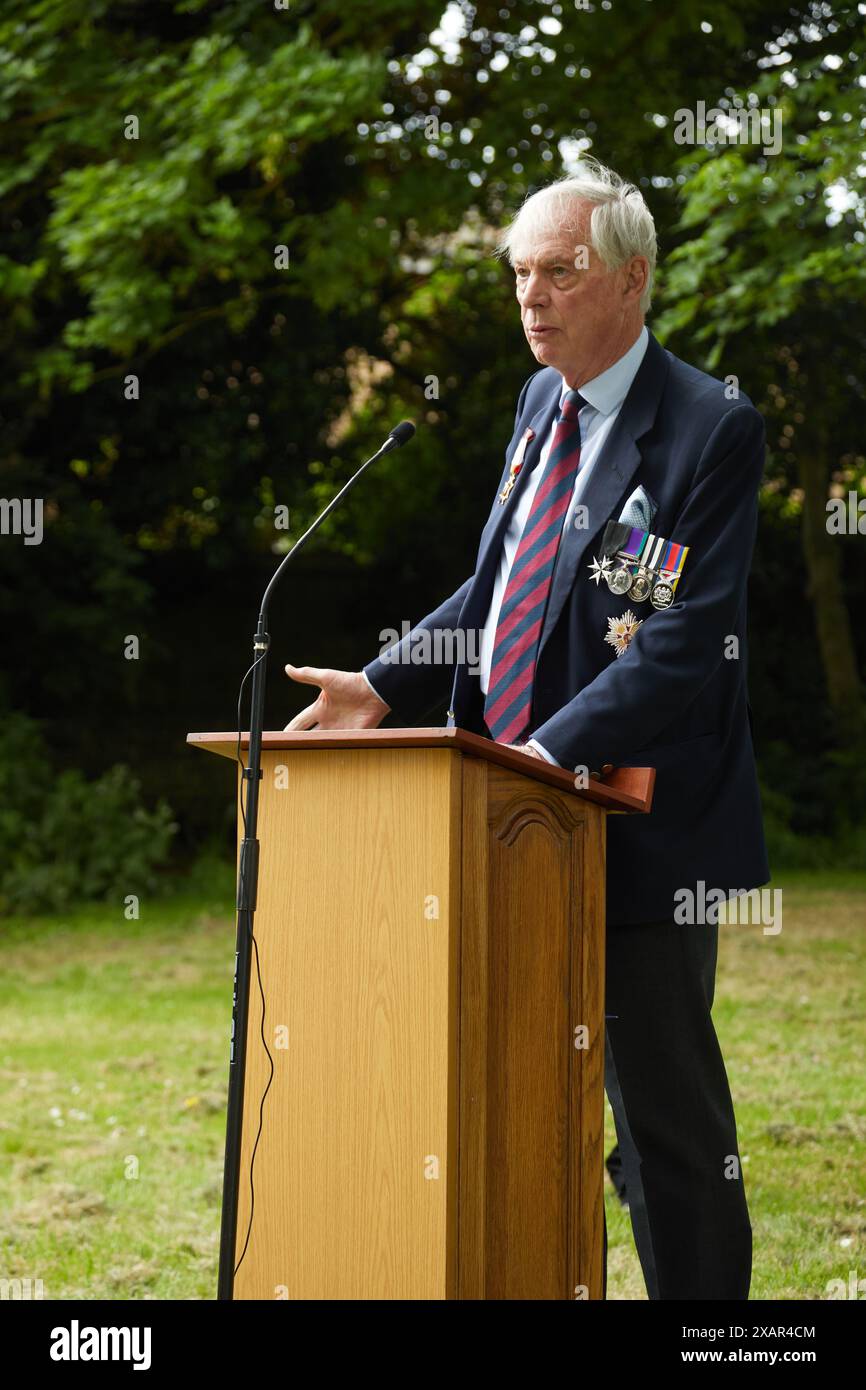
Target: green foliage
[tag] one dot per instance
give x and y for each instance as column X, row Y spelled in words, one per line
column 67, row 840
column 788, row 849
column 766, row 238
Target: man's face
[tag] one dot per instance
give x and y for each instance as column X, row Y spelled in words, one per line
column 574, row 311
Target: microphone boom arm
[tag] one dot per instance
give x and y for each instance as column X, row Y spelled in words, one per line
column 247, row 889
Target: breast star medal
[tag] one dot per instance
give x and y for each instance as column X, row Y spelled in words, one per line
column 621, row 630
column 516, row 465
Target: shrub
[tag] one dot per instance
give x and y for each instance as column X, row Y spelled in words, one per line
column 66, row 839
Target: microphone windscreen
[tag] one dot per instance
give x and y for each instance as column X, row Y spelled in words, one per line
column 402, row 433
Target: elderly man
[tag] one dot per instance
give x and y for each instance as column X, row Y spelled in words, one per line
column 610, row 596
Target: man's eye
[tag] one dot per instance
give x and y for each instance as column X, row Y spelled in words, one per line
column 560, row 270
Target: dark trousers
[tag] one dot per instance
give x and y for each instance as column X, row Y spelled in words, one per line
column 666, row 1083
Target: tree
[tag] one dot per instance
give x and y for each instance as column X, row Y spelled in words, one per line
column 772, row 252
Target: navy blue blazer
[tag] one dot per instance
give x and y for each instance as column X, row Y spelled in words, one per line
column 677, row 699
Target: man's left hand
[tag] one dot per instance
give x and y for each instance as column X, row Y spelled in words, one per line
column 524, row 748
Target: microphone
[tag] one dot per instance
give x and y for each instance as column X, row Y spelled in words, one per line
column 400, row 435
column 248, row 875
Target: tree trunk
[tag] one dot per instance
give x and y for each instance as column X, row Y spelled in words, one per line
column 823, row 555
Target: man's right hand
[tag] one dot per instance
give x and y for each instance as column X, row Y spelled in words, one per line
column 345, row 700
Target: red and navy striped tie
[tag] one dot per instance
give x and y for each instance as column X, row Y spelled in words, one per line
column 509, row 692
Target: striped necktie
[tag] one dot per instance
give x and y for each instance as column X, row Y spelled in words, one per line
column 509, row 694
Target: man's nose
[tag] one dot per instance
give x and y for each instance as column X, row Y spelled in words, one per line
column 533, row 291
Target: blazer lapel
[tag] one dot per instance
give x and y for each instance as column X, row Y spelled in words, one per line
column 611, row 474
column 494, row 532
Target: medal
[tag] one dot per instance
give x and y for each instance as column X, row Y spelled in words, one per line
column 628, row 579
column 662, row 595
column 648, row 549
column 621, row 631
column 619, row 580
column 667, row 576
column 599, row 569
column 516, row 465
column 640, row 586
column 640, row 564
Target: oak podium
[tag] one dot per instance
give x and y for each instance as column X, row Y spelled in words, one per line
column 430, row 933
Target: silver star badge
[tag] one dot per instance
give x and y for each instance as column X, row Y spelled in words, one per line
column 599, row 568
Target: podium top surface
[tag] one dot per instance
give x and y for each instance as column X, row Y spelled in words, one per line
column 625, row 789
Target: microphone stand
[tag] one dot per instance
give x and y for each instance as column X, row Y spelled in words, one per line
column 248, row 875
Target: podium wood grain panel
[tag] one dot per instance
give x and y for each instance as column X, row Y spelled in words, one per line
column 353, row 1167
column 531, row 1103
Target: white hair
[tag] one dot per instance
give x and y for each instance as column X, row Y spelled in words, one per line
column 621, row 225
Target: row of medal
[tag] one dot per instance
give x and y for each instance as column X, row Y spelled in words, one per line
column 644, row 567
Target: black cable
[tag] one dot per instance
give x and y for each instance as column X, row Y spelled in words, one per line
column 243, row 811
column 261, row 656
column 261, row 1108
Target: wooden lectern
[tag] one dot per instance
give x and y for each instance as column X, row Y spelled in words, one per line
column 430, row 931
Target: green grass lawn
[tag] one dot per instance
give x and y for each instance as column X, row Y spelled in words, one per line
column 114, row 1053
column 113, row 1050
column 789, row 1013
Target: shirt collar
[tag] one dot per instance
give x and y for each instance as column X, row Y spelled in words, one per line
column 607, row 391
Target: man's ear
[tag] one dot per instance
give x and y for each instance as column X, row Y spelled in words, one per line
column 637, row 274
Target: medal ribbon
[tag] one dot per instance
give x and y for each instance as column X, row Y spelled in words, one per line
column 659, row 556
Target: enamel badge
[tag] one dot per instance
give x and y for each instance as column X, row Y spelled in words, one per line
column 516, row 465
